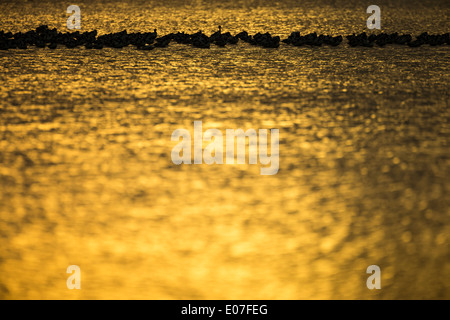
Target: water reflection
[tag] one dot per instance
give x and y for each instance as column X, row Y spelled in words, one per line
column 86, row 176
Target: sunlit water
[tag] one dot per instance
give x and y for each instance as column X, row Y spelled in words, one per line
column 86, row 176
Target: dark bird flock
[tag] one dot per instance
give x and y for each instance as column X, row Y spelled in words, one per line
column 44, row 37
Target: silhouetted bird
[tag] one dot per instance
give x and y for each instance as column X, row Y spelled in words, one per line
column 162, row 42
column 146, row 47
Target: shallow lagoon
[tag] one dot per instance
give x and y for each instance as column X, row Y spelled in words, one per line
column 86, row 176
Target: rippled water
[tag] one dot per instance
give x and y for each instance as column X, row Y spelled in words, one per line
column 86, row 176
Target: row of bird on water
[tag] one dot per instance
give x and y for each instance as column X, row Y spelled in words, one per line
column 44, row 37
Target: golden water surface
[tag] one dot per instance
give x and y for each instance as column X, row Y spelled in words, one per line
column 86, row 176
